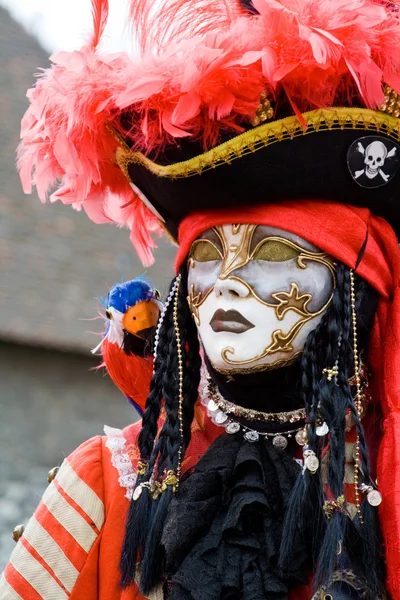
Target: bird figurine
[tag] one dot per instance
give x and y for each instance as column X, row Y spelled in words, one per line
column 131, row 314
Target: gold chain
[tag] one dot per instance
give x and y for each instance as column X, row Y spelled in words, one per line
column 358, row 398
column 180, row 372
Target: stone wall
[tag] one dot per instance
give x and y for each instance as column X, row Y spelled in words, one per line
column 50, row 402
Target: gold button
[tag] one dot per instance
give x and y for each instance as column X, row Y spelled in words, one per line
column 52, row 473
column 18, row 531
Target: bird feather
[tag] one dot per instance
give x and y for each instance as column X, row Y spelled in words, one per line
column 100, row 17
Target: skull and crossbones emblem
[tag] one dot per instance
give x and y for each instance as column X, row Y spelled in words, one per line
column 375, row 156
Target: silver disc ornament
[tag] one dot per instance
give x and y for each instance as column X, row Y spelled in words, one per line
column 322, row 429
column 220, row 418
column 311, row 463
column 279, row 441
column 374, row 498
column 251, row 436
column 232, row 427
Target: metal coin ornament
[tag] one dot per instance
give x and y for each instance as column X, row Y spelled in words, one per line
column 232, row 428
column 220, row 418
column 373, row 161
column 251, row 436
column 322, row 429
column 374, row 498
column 311, row 461
column 301, row 437
column 137, row 493
column 212, row 406
column 279, row 441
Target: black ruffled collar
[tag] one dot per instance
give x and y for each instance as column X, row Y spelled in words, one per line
column 223, row 532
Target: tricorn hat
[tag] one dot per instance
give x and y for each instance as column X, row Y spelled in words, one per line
column 226, row 103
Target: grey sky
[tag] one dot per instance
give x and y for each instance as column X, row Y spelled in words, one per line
column 64, row 24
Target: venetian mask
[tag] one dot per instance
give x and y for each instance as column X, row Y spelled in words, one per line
column 255, row 293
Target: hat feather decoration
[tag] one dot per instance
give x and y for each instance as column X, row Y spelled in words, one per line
column 199, row 75
column 100, row 18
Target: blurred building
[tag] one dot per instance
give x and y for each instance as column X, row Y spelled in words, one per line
column 54, row 265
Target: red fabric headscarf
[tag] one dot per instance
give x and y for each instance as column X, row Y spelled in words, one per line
column 368, row 245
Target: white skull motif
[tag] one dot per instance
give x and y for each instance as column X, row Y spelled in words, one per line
column 375, row 156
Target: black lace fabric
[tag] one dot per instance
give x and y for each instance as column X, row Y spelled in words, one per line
column 224, row 528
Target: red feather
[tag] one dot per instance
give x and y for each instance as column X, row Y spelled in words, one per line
column 100, row 17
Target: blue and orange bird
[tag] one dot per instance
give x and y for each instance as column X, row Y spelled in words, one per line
column 131, row 311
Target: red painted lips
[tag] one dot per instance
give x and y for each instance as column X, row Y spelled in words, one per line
column 229, row 320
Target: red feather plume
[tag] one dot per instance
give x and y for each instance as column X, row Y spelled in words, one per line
column 100, row 17
column 202, row 68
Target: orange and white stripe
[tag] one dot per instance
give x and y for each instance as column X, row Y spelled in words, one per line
column 6, row 591
column 52, row 551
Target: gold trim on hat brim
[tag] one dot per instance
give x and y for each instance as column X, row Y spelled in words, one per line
column 265, row 135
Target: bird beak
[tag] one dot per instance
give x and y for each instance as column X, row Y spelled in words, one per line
column 140, row 318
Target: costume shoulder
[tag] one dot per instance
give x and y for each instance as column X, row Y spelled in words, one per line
column 70, row 547
column 60, row 542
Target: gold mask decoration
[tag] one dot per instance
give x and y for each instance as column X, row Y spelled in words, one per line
column 255, row 293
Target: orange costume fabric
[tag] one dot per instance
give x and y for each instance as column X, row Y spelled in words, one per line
column 71, row 546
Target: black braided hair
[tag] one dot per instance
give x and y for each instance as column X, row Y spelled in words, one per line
column 336, row 542
column 146, row 516
column 334, row 398
column 137, row 520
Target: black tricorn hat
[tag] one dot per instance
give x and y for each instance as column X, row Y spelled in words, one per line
column 350, row 155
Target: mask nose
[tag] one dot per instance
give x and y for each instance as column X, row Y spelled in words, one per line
column 231, row 288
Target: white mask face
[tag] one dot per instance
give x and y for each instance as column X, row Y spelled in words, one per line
column 256, row 292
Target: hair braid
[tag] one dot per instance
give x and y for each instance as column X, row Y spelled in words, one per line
column 191, row 360
column 330, row 344
column 153, row 404
column 169, row 445
column 304, row 508
column 139, row 510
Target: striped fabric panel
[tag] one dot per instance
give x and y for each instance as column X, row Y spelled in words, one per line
column 81, row 493
column 19, row 584
column 69, row 518
column 40, row 558
column 39, row 578
column 6, row 591
column 51, row 553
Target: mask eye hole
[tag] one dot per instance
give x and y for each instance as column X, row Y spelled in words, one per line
column 274, row 251
column 204, row 251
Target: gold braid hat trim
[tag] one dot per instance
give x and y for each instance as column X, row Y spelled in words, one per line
column 269, row 133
